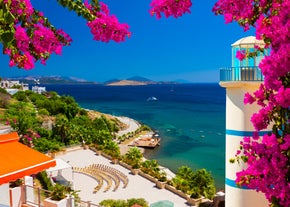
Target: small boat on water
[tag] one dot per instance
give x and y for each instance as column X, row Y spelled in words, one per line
column 152, row 98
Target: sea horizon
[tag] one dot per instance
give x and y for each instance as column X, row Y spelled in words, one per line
column 189, row 118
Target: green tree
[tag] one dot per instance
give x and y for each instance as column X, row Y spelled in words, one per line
column 21, row 116
column 204, row 183
column 20, row 96
column 2, row 90
column 70, row 107
column 45, row 145
column 62, row 128
column 133, row 157
column 140, row 201
column 43, row 112
column 196, row 183
column 114, row 203
column 100, row 123
column 34, row 97
column 150, row 167
column 185, row 172
column 182, row 184
column 111, row 148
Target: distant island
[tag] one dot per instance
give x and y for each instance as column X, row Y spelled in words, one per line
column 133, row 81
column 126, row 83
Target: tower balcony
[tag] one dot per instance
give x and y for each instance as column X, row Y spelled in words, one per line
column 246, row 73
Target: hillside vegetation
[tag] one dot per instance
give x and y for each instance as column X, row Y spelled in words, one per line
column 47, row 122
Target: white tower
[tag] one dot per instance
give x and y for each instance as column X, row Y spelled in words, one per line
column 244, row 76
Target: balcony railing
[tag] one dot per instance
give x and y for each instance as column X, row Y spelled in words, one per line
column 33, row 196
column 241, row 74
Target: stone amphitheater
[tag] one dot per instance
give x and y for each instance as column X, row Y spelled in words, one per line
column 104, row 175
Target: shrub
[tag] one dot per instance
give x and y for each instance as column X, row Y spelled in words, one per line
column 140, row 201
column 44, row 180
column 123, row 203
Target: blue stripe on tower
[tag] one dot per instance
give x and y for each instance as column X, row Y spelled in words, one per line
column 245, row 133
column 233, row 184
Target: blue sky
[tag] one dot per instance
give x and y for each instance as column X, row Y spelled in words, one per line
column 192, row 47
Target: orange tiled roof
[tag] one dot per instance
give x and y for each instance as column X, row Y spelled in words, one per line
column 18, row 160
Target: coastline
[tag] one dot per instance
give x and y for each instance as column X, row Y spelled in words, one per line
column 133, row 125
column 180, row 117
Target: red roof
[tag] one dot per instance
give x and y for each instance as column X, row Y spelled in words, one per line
column 18, row 160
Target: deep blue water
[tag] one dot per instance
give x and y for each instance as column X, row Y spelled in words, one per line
column 190, row 119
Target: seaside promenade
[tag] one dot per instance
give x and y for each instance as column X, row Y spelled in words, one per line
column 138, row 187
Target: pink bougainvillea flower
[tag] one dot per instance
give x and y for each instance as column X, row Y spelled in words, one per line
column 106, row 27
column 241, row 55
column 283, row 97
column 175, row 8
column 267, row 160
column 228, row 18
column 22, row 39
column 249, row 99
column 34, row 38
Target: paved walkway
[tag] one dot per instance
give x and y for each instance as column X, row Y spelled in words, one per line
column 138, row 186
column 132, row 124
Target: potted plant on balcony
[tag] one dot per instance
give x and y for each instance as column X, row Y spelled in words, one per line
column 59, row 196
column 161, row 180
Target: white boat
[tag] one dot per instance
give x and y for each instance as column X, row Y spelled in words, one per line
column 152, row 98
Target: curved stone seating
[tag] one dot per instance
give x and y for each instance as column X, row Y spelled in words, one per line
column 103, row 173
column 90, row 173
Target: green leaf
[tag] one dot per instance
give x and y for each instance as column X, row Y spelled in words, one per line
column 9, row 17
column 1, row 13
column 95, row 2
column 7, row 36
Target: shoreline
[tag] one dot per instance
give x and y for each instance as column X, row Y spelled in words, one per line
column 87, row 184
column 133, row 125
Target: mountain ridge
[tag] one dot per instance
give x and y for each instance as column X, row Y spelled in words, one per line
column 134, row 80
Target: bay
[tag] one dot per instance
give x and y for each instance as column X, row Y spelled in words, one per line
column 189, row 118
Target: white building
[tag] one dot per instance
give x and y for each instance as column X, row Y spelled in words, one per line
column 38, row 89
column 13, row 87
column 244, row 76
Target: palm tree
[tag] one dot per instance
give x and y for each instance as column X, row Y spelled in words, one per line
column 62, row 128
column 111, row 148
column 133, row 157
column 150, row 167
column 204, row 183
column 185, row 172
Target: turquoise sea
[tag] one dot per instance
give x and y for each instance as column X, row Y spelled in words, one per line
column 190, row 119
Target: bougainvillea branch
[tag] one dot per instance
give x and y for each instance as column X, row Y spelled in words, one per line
column 105, row 27
column 27, row 36
column 267, row 157
column 175, row 8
